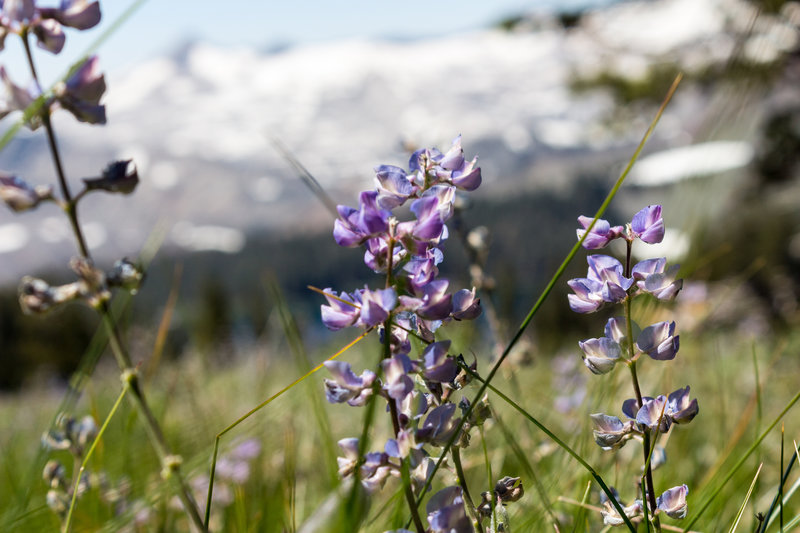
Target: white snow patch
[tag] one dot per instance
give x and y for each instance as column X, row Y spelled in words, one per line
column 687, row 162
column 208, row 238
column 12, row 237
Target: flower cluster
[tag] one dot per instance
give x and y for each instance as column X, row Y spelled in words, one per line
column 414, row 304
column 608, row 282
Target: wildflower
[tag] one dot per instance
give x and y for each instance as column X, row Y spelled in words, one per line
column 117, row 177
column 354, row 226
column 610, row 433
column 608, row 271
column 680, row 409
column 398, row 383
column 446, row 513
column 648, row 225
column 376, row 306
column 346, row 386
column 438, row 367
column 393, row 185
column 342, row 310
column 465, row 305
column 588, row 296
column 37, row 296
column 600, row 235
column 509, row 489
column 673, row 502
column 45, row 23
column 659, row 341
column 654, row 415
column 78, row 14
column 431, row 301
column 455, row 169
column 81, row 93
column 20, row 196
column 125, row 274
column 439, row 426
column 16, row 98
column 600, row 355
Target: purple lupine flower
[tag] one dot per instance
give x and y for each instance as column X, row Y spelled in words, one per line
column 413, row 407
column 422, row 269
column 401, row 447
column 393, row 186
column 617, row 329
column 376, row 470
column 347, row 464
column 81, row 93
column 49, row 35
column 654, row 415
column 601, row 234
column 117, row 177
column 659, row 341
column 20, row 196
column 612, row 518
column 588, row 296
column 631, row 406
column 78, row 14
column 439, row 425
column 376, row 254
column 446, row 512
column 454, row 168
column 465, row 305
column 342, row 310
column 446, row 194
column 427, row 229
column 644, row 269
column 376, row 306
column 673, row 502
column 610, row 432
column 648, row 225
column 609, row 271
column 398, row 384
column 432, row 302
column 680, row 408
column 600, row 355
column 16, row 98
column 662, row 285
column 438, row 367
column 354, row 226
column 346, row 386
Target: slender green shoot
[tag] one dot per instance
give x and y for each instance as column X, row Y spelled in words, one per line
column 89, row 453
column 746, row 499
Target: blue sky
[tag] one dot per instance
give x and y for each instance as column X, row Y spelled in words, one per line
column 157, row 26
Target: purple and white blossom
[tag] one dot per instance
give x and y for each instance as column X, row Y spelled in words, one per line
column 346, row 386
column 342, row 311
column 659, row 341
column 437, row 366
column 600, row 235
column 446, row 512
column 673, row 502
column 610, row 432
column 376, row 306
column 600, row 355
column 648, row 225
column 681, row 410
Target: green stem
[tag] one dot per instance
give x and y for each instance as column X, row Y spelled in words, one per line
column 462, row 482
column 123, row 359
column 89, row 454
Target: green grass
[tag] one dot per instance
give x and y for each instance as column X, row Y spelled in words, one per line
column 289, row 480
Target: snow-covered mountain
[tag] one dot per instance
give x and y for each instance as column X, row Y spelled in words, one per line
column 200, row 123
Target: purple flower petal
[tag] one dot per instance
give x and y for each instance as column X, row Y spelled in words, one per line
column 648, row 225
